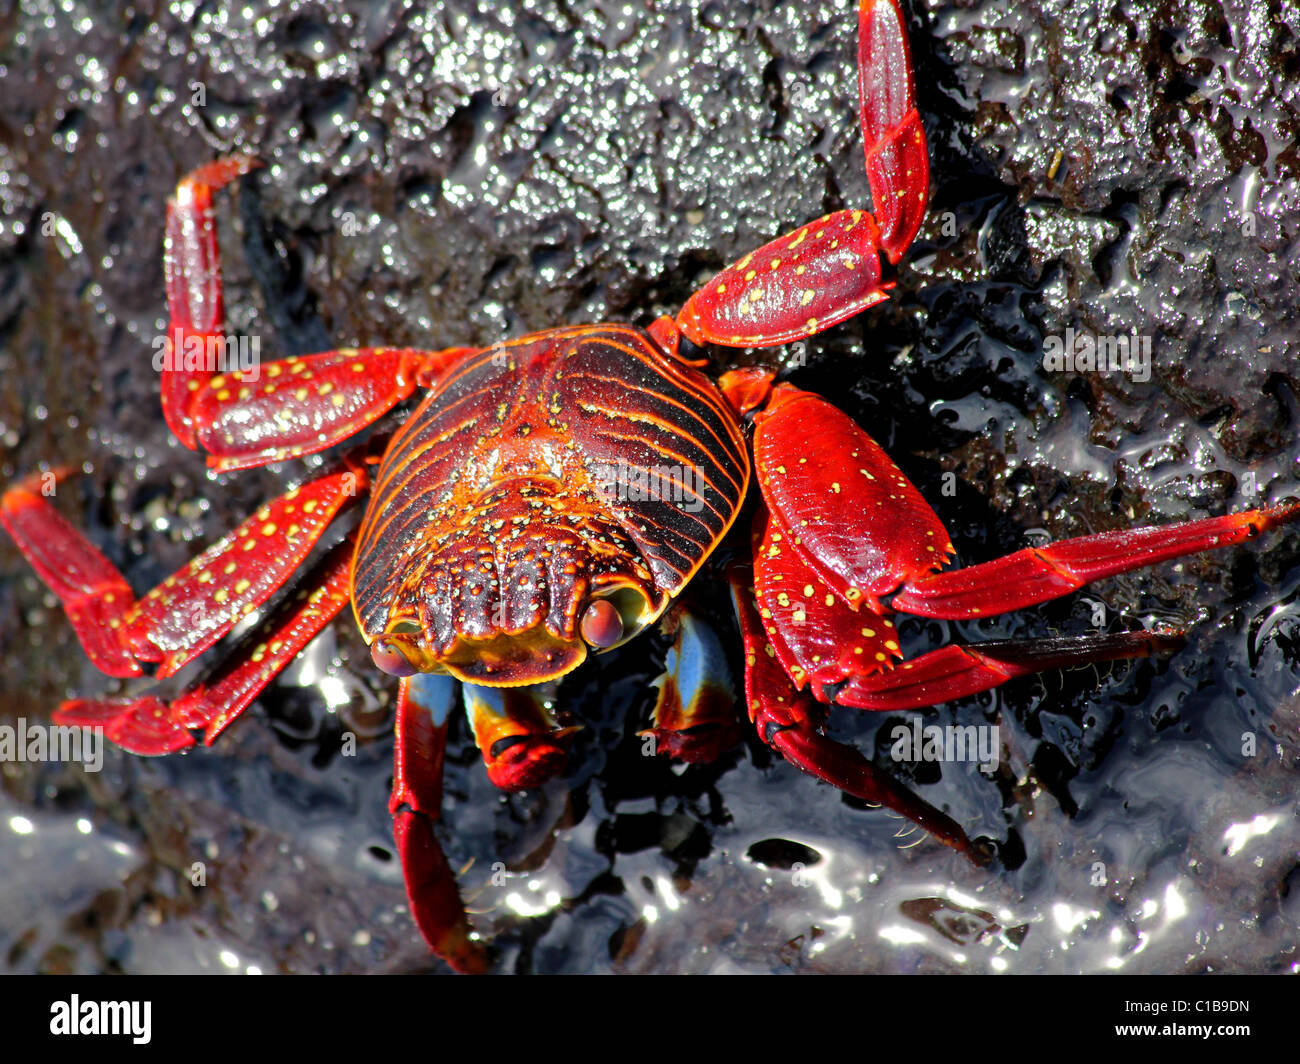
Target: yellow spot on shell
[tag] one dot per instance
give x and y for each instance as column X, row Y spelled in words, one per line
column 806, row 296
column 230, row 568
column 221, row 595
column 870, row 633
column 808, row 590
column 268, row 529
column 242, row 586
column 300, row 394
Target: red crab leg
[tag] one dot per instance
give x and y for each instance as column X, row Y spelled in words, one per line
column 957, row 671
column 849, row 656
column 423, row 710
column 694, row 716
column 192, row 266
column 788, row 720
column 298, row 406
column 898, row 164
column 830, row 269
column 1037, row 574
column 252, row 415
column 92, row 591
column 196, row 606
column 148, row 725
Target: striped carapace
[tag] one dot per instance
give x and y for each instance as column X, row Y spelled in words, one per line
column 551, row 494
column 506, row 504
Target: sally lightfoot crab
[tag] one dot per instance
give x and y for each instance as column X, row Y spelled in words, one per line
column 506, row 533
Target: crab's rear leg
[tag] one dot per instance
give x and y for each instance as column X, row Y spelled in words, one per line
column 790, row 722
column 424, row 706
column 851, row 515
column 192, row 608
column 248, row 415
column 148, row 725
column 847, row 529
column 960, row 671
column 192, row 267
column 830, row 269
column 1037, row 574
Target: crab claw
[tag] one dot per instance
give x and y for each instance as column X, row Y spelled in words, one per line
column 848, row 512
column 521, row 743
column 695, row 714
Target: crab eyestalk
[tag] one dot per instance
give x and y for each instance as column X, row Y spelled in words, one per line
column 388, row 657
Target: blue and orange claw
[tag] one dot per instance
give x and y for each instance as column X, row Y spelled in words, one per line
column 521, row 744
column 695, row 716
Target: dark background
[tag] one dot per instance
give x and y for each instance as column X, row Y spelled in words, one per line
column 441, row 174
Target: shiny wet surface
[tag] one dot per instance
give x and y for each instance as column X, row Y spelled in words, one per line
column 447, row 177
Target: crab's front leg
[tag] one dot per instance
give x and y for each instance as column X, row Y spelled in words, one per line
column 246, row 415
column 830, row 269
column 424, row 707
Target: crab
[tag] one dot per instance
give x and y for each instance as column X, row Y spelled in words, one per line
column 551, row 496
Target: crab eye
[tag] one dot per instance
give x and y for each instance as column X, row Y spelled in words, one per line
column 601, row 626
column 391, row 660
